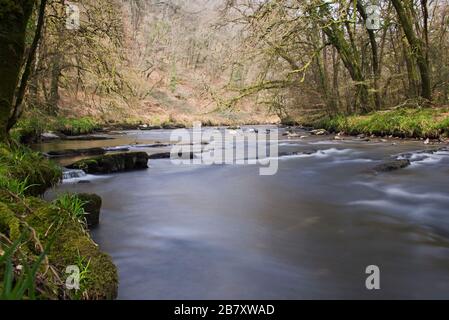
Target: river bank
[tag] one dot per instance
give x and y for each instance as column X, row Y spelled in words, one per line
column 40, row 239
column 420, row 123
column 37, row 128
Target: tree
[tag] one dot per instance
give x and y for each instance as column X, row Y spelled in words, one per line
column 14, row 17
column 404, row 11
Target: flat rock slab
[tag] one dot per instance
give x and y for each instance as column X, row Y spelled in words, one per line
column 112, row 163
column 167, row 155
column 87, row 138
column 76, row 152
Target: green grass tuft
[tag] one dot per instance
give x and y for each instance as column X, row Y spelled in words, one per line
column 24, row 171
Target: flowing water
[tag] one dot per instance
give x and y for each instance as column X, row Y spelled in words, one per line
column 310, row 231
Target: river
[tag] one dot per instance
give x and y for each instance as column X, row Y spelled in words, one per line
column 308, row 232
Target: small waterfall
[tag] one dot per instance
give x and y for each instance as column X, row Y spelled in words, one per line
column 73, row 174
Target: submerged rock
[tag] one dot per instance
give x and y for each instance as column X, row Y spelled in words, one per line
column 111, row 163
column 164, row 155
column 91, row 207
column 392, row 165
column 117, row 149
column 421, row 154
column 167, row 155
column 294, row 153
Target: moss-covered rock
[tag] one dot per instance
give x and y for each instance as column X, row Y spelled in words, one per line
column 91, row 207
column 48, row 229
column 113, row 163
column 68, row 242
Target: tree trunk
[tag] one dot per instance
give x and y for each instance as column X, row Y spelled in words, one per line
column 17, row 109
column 14, row 17
column 417, row 46
column 54, row 85
column 351, row 61
column 375, row 56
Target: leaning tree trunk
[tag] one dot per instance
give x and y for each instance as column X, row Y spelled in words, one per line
column 14, row 17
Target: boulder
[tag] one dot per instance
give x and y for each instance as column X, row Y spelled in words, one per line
column 295, row 153
column 91, row 208
column 319, row 132
column 392, row 165
column 292, row 134
column 48, row 136
column 112, row 163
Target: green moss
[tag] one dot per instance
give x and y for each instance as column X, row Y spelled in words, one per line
column 69, row 241
column 9, row 223
column 102, row 278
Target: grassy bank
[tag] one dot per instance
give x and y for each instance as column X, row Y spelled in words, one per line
column 29, row 128
column 402, row 122
column 39, row 239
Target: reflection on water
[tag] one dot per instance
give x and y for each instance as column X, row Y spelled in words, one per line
column 224, row 232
